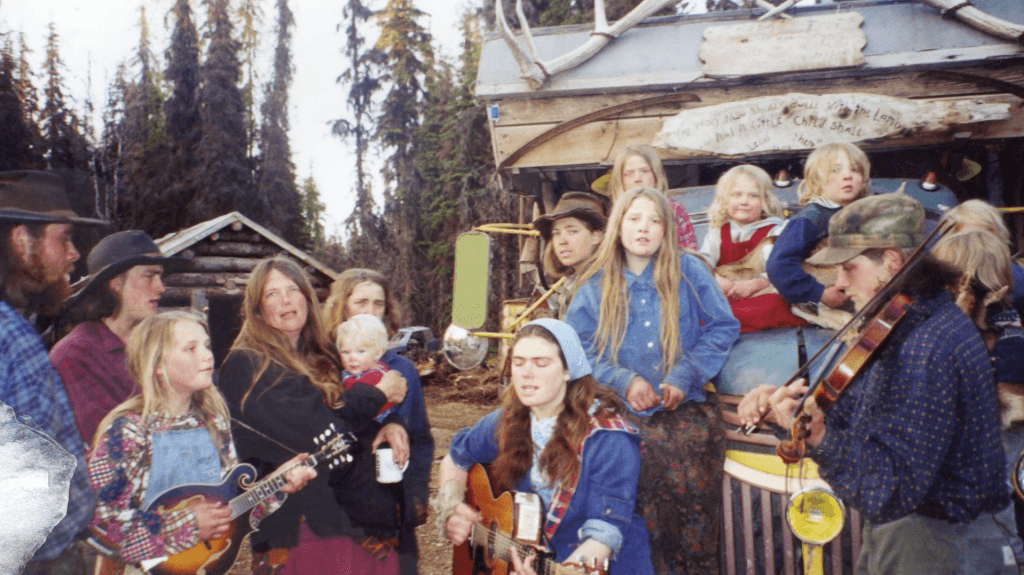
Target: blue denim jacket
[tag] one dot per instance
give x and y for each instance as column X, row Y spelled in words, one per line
column 602, row 507
column 707, row 331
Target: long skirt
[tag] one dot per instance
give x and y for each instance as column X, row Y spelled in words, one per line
column 680, row 489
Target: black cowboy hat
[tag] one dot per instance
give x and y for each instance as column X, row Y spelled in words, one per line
column 37, row 197
column 122, row 251
column 579, row 205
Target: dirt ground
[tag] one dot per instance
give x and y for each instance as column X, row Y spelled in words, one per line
column 454, row 401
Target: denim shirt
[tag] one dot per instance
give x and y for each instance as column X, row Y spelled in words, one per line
column 707, row 330
column 602, row 507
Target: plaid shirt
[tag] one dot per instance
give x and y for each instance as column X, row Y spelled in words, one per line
column 31, row 386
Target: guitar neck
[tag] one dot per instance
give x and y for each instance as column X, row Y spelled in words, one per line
column 264, row 489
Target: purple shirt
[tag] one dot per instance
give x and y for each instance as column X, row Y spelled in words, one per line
column 92, row 363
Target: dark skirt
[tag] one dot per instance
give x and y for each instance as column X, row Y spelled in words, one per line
column 680, row 489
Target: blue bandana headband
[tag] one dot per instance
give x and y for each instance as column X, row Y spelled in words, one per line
column 572, row 347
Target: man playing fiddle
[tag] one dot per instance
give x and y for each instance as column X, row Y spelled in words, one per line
column 913, row 444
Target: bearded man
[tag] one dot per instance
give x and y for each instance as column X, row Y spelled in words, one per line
column 36, row 256
column 914, row 442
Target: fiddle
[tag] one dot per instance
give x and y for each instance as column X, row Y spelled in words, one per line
column 885, row 309
column 828, row 389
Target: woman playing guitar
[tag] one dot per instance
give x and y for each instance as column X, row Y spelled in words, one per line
column 176, row 432
column 914, row 443
column 560, row 436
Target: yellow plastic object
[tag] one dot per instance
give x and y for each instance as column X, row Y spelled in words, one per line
column 770, row 463
column 815, row 515
column 472, row 272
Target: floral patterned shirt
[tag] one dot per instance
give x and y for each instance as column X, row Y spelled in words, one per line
column 119, row 469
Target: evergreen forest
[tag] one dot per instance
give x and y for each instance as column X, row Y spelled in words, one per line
column 192, row 130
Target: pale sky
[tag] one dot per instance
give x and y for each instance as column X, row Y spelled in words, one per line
column 96, row 36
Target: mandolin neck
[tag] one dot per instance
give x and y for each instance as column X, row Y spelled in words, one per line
column 265, row 489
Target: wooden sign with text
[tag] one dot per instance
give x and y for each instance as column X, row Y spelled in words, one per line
column 805, row 43
column 805, row 121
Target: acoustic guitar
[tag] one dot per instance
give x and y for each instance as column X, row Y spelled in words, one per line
column 216, row 556
column 486, row 552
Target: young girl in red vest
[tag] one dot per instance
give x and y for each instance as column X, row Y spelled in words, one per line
column 745, row 212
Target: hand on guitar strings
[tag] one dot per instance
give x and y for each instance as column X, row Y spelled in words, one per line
column 398, row 438
column 298, row 475
column 212, row 517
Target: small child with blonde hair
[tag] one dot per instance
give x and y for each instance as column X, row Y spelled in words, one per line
column 744, row 212
column 362, row 341
column 835, row 175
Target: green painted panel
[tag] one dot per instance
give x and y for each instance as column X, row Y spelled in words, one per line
column 472, row 280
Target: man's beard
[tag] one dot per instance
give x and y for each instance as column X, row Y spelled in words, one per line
column 30, row 289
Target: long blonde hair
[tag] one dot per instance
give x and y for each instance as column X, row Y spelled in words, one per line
column 611, row 259
column 650, row 155
column 312, row 356
column 819, row 165
column 147, row 347
column 980, row 255
column 718, row 213
column 978, row 214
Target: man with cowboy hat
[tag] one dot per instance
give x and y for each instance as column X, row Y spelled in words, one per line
column 123, row 288
column 914, row 442
column 36, row 256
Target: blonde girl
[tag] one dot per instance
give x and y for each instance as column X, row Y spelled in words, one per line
column 657, row 328
column 979, row 215
column 834, row 175
column 175, row 432
column 639, row 165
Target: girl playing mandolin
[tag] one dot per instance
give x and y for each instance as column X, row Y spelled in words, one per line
column 175, row 433
column 563, row 437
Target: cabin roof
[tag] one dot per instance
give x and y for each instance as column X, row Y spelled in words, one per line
column 181, row 240
column 662, row 53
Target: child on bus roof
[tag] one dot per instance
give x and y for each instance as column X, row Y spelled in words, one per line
column 745, row 212
column 835, row 175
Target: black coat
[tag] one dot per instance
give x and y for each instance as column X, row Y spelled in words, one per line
column 288, row 408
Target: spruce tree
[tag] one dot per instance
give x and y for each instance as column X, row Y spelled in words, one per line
column 312, row 212
column 15, row 136
column 407, row 58
column 29, row 97
column 363, row 225
column 172, row 184
column 224, row 170
column 277, row 192
column 65, row 147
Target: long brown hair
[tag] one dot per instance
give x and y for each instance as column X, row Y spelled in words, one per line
column 611, row 258
column 335, row 311
column 311, row 357
column 560, row 458
column 146, row 350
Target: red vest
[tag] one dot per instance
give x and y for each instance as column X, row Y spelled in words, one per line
column 732, row 251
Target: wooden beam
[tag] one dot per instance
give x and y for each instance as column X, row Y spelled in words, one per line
column 209, row 279
column 221, row 264
column 598, row 143
column 552, row 111
column 226, row 248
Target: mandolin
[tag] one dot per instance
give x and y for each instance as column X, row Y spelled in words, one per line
column 486, row 552
column 216, row 556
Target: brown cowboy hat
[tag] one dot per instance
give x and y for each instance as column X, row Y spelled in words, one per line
column 579, row 205
column 37, row 197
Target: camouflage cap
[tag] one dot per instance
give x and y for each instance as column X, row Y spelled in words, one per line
column 883, row 221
